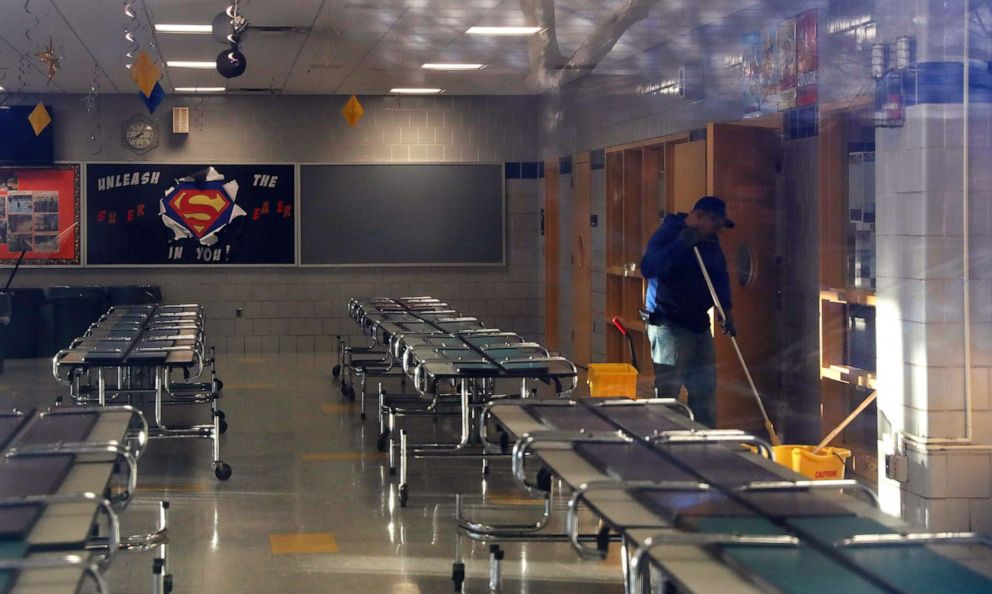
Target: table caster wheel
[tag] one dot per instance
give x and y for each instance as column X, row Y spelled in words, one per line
column 404, row 496
column 383, row 441
column 344, row 388
column 458, row 575
column 223, row 426
column 221, row 414
column 222, row 471
column 167, row 582
column 336, row 372
column 544, row 479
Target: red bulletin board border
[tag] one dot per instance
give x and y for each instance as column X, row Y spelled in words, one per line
column 65, row 180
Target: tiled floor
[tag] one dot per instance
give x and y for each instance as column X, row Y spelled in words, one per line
column 310, row 507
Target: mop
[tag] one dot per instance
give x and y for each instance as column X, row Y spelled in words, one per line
column 754, row 390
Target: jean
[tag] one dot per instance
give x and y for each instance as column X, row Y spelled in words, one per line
column 685, row 358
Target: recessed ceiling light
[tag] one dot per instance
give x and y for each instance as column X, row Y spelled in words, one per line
column 453, row 66
column 191, row 64
column 504, row 31
column 200, row 89
column 188, row 29
column 2, row 89
column 414, row 91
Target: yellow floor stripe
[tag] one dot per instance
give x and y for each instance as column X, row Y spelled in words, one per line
column 342, row 456
column 303, row 542
column 338, row 408
column 613, row 557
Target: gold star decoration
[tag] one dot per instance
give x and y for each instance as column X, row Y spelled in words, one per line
column 49, row 58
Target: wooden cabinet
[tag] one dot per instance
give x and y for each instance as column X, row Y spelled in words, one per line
column 639, row 192
column 847, row 375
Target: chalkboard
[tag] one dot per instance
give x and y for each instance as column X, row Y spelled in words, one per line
column 139, row 213
column 354, row 215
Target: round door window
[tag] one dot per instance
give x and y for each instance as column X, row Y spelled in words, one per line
column 746, row 265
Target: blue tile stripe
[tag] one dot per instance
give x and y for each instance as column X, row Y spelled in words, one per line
column 943, row 83
column 801, row 122
column 565, row 165
column 524, row 170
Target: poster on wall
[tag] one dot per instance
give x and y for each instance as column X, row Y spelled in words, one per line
column 760, row 75
column 39, row 215
column 806, row 59
column 146, row 214
column 785, row 63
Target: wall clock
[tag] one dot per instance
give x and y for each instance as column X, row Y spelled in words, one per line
column 140, row 134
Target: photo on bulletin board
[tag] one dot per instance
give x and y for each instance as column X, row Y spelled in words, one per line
column 190, row 215
column 39, row 215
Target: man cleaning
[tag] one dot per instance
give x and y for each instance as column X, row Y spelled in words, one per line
column 677, row 303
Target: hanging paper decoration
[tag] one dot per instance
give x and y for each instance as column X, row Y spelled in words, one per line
column 129, row 30
column 39, row 119
column 146, row 74
column 155, row 99
column 50, row 59
column 353, row 111
column 92, row 102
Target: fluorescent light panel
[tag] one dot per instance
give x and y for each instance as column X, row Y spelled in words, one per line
column 503, row 31
column 187, row 29
column 191, row 64
column 200, row 89
column 414, row 91
column 452, row 66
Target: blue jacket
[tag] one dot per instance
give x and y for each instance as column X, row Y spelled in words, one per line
column 677, row 292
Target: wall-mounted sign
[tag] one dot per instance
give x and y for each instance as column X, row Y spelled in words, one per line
column 785, row 63
column 39, row 215
column 190, row 214
column 806, row 59
column 780, row 66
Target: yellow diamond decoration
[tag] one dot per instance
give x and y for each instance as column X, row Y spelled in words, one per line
column 39, row 119
column 353, row 111
column 145, row 74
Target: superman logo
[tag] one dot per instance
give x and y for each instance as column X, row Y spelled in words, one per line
column 199, row 209
column 200, row 206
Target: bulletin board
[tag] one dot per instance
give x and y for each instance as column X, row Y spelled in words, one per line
column 39, row 215
column 190, row 214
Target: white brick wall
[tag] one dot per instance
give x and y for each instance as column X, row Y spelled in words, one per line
column 302, row 310
column 920, row 316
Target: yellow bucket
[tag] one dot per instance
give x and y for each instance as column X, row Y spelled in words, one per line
column 827, row 465
column 612, row 379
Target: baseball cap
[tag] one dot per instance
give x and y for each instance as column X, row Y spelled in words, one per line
column 716, row 207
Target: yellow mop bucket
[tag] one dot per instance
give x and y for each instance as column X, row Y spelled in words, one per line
column 612, row 379
column 828, row 464
column 615, row 379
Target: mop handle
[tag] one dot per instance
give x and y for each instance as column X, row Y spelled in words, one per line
column 857, row 411
column 737, row 349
